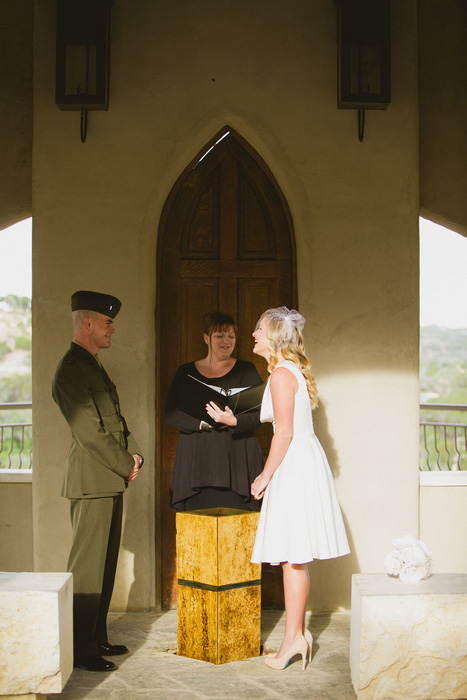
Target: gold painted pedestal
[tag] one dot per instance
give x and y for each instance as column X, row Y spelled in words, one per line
column 219, row 591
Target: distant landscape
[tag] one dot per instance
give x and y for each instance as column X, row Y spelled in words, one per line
column 443, row 380
column 15, row 381
column 15, row 349
column 443, row 365
column 443, row 357
column 443, row 372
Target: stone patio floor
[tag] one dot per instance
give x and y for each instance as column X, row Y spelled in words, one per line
column 152, row 669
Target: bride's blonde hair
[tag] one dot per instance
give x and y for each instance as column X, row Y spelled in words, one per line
column 284, row 332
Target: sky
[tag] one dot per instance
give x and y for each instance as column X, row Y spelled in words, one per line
column 15, row 259
column 443, row 276
column 443, row 271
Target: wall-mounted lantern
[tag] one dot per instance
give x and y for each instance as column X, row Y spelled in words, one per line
column 83, row 56
column 363, row 56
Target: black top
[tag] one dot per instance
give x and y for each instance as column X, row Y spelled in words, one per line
column 221, row 458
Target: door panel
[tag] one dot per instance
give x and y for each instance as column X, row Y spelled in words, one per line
column 254, row 296
column 198, row 294
column 225, row 242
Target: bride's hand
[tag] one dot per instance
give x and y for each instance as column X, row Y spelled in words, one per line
column 258, row 487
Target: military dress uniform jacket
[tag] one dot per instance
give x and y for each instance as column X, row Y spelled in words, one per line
column 100, row 455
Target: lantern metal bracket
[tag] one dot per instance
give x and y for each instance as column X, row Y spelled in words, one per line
column 83, row 126
column 361, row 124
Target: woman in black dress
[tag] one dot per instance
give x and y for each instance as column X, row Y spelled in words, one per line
column 215, row 466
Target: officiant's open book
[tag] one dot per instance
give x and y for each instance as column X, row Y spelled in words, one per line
column 194, row 394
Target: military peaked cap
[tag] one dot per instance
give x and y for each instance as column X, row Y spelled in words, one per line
column 94, row 301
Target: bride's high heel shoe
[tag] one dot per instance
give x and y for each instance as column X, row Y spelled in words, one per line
column 309, row 641
column 300, row 646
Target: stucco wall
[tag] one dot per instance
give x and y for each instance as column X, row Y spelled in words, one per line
column 442, row 36
column 443, row 522
column 16, row 536
column 16, row 31
column 180, row 72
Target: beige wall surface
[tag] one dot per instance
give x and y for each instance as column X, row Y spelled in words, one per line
column 16, row 31
column 16, row 536
column 442, row 36
column 180, row 72
column 443, row 524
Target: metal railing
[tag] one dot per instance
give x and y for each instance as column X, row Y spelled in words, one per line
column 443, row 444
column 15, row 440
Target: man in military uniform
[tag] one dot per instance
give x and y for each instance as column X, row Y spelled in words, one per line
column 102, row 460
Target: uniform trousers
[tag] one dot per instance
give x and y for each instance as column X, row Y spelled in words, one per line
column 97, row 526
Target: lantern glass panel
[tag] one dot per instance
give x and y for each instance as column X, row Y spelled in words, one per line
column 81, row 66
column 83, row 54
column 365, row 69
column 364, row 54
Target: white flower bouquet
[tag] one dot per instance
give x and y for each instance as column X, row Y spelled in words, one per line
column 410, row 559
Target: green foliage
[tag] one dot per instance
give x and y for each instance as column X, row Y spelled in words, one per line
column 443, row 380
column 4, row 349
column 23, row 326
column 16, row 389
column 443, row 365
column 15, row 332
column 22, row 343
column 21, row 415
column 15, row 425
column 17, row 303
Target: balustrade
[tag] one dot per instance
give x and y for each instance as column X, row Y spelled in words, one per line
column 443, row 443
column 15, row 438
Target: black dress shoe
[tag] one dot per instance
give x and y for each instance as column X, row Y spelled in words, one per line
column 112, row 649
column 94, row 663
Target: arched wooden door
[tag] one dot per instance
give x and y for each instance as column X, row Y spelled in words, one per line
column 225, row 242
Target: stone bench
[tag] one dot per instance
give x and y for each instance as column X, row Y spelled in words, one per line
column 409, row 640
column 36, row 633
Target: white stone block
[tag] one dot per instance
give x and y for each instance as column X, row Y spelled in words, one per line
column 36, row 632
column 29, row 696
column 409, row 640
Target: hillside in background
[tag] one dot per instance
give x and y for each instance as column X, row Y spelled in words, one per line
column 15, row 382
column 443, row 365
column 15, row 349
column 443, row 357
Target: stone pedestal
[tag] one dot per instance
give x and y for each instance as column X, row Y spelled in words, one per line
column 36, row 633
column 409, row 640
column 219, row 591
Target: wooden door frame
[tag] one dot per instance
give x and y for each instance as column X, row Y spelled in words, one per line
column 160, row 243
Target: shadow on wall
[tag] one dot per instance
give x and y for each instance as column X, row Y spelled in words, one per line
column 326, row 580
column 326, row 576
column 320, row 423
column 133, row 585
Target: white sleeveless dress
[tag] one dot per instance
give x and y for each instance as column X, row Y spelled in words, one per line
column 300, row 518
